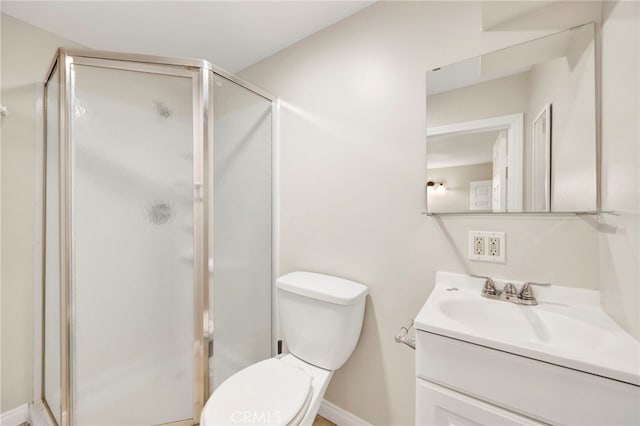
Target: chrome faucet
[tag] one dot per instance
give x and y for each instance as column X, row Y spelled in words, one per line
column 509, row 293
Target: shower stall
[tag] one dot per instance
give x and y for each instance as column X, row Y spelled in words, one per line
column 157, row 236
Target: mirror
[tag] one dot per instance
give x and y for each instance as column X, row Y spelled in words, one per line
column 515, row 130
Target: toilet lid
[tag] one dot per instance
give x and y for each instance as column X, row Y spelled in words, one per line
column 269, row 392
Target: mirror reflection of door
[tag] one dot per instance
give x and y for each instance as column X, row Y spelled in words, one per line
column 541, row 161
column 500, row 171
column 480, row 195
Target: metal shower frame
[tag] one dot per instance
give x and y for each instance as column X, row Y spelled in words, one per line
column 202, row 73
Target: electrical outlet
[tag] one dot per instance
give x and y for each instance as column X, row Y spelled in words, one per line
column 478, row 245
column 494, row 246
column 487, row 246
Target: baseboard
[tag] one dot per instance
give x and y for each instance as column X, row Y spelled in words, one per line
column 15, row 417
column 340, row 416
column 38, row 415
column 35, row 414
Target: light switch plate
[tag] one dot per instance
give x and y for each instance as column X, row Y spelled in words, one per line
column 487, row 246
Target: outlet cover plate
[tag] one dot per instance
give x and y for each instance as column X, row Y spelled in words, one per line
column 490, row 253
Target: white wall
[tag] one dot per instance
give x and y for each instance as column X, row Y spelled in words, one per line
column 455, row 197
column 502, row 96
column 620, row 234
column 26, row 55
column 568, row 84
column 353, row 170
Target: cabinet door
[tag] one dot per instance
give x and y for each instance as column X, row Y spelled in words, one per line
column 436, row 405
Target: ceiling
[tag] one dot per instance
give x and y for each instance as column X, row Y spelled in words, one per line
column 496, row 14
column 230, row 34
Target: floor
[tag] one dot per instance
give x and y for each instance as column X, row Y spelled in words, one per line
column 318, row 421
column 321, row 421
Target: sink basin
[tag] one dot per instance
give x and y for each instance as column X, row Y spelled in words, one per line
column 567, row 327
column 504, row 320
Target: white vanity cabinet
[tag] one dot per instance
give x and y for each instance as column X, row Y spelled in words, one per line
column 490, row 362
column 460, row 383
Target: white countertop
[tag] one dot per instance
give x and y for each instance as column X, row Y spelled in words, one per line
column 568, row 326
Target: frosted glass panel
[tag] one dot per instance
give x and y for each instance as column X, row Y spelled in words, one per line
column 52, row 252
column 241, row 295
column 132, row 290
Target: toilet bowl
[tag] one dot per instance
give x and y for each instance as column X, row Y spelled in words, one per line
column 321, row 318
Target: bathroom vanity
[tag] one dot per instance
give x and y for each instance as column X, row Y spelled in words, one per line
column 488, row 361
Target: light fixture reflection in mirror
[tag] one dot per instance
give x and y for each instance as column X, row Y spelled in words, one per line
column 437, row 187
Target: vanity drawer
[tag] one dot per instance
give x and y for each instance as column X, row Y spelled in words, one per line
column 539, row 390
column 439, row 406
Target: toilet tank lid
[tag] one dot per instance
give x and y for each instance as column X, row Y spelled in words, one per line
column 322, row 287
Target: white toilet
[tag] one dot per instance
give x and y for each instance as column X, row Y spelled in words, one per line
column 321, row 318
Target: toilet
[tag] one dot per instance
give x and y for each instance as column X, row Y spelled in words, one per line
column 321, row 318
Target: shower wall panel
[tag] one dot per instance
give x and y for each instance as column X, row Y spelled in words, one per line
column 242, row 226
column 51, row 290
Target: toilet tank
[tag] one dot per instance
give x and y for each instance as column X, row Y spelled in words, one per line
column 320, row 316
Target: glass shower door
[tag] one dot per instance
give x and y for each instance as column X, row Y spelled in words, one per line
column 132, row 222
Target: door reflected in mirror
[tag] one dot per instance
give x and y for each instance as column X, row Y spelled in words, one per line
column 514, row 130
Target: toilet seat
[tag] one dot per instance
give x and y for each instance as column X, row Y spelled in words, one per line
column 269, row 392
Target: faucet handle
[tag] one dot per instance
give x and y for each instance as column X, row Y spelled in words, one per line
column 489, row 288
column 528, row 284
column 509, row 291
column 526, row 292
